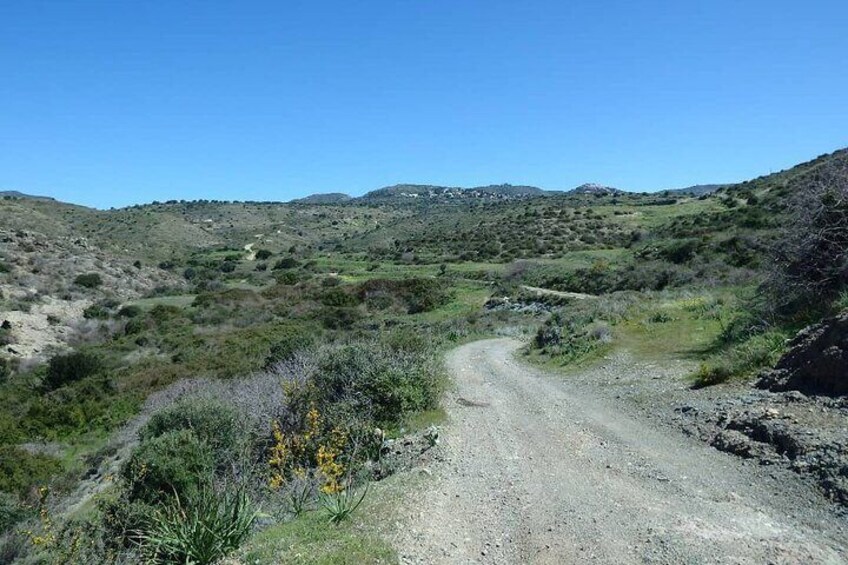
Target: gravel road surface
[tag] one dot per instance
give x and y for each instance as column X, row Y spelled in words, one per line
column 538, row 468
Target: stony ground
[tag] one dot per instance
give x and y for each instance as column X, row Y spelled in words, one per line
column 592, row 467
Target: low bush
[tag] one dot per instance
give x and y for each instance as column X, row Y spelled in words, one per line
column 21, row 471
column 89, row 280
column 174, row 463
column 286, row 263
column 288, row 346
column 130, row 312
column 11, row 511
column 212, row 422
column 162, row 313
column 71, row 367
column 287, row 278
column 373, row 379
column 416, row 294
column 338, row 297
column 570, row 346
column 5, row 369
column 97, row 312
column 660, row 317
column 335, row 318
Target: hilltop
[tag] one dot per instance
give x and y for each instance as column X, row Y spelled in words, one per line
column 430, row 192
column 18, row 194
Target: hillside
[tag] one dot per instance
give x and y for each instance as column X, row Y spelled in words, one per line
column 135, row 339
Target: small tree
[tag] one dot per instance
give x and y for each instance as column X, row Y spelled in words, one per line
column 810, row 259
column 65, row 369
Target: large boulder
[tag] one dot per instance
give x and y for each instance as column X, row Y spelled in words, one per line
column 816, row 363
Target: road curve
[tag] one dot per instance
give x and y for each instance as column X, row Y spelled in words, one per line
column 536, row 470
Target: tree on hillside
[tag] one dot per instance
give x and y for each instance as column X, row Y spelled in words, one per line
column 810, row 259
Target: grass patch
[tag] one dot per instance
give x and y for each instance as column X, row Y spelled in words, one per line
column 311, row 539
column 741, row 360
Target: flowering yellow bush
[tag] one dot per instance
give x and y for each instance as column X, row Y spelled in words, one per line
column 329, row 465
column 293, row 455
column 47, row 536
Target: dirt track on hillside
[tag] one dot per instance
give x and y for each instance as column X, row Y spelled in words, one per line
column 542, row 469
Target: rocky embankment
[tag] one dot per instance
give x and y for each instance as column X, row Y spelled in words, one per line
column 797, row 414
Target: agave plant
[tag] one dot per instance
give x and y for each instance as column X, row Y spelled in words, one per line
column 200, row 531
column 341, row 504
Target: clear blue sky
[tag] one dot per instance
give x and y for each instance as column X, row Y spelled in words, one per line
column 110, row 103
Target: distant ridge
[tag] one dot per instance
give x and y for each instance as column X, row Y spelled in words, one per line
column 327, row 198
column 18, row 194
column 592, row 188
column 697, row 190
column 493, row 191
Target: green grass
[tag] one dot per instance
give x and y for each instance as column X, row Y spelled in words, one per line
column 741, row 360
column 662, row 326
column 469, row 298
column 311, row 540
column 423, row 420
column 667, row 329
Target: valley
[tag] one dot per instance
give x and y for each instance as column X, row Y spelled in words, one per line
column 502, row 373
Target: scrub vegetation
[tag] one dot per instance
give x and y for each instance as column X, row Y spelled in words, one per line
column 230, row 373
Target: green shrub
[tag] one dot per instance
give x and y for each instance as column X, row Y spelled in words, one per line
column 71, row 367
column 339, row 318
column 570, row 338
column 122, row 519
column 211, row 421
column 338, row 297
column 162, row 313
column 174, row 463
column 416, row 294
column 709, row 374
column 263, row 254
column 287, row 278
column 131, row 311
column 286, row 347
column 5, row 369
column 96, row 312
column 660, row 318
column 21, row 471
column 89, row 280
column 286, row 263
column 408, row 340
column 681, row 251
column 388, row 384
column 136, row 326
column 11, row 511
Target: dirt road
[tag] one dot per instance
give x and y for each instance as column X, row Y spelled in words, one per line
column 541, row 469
